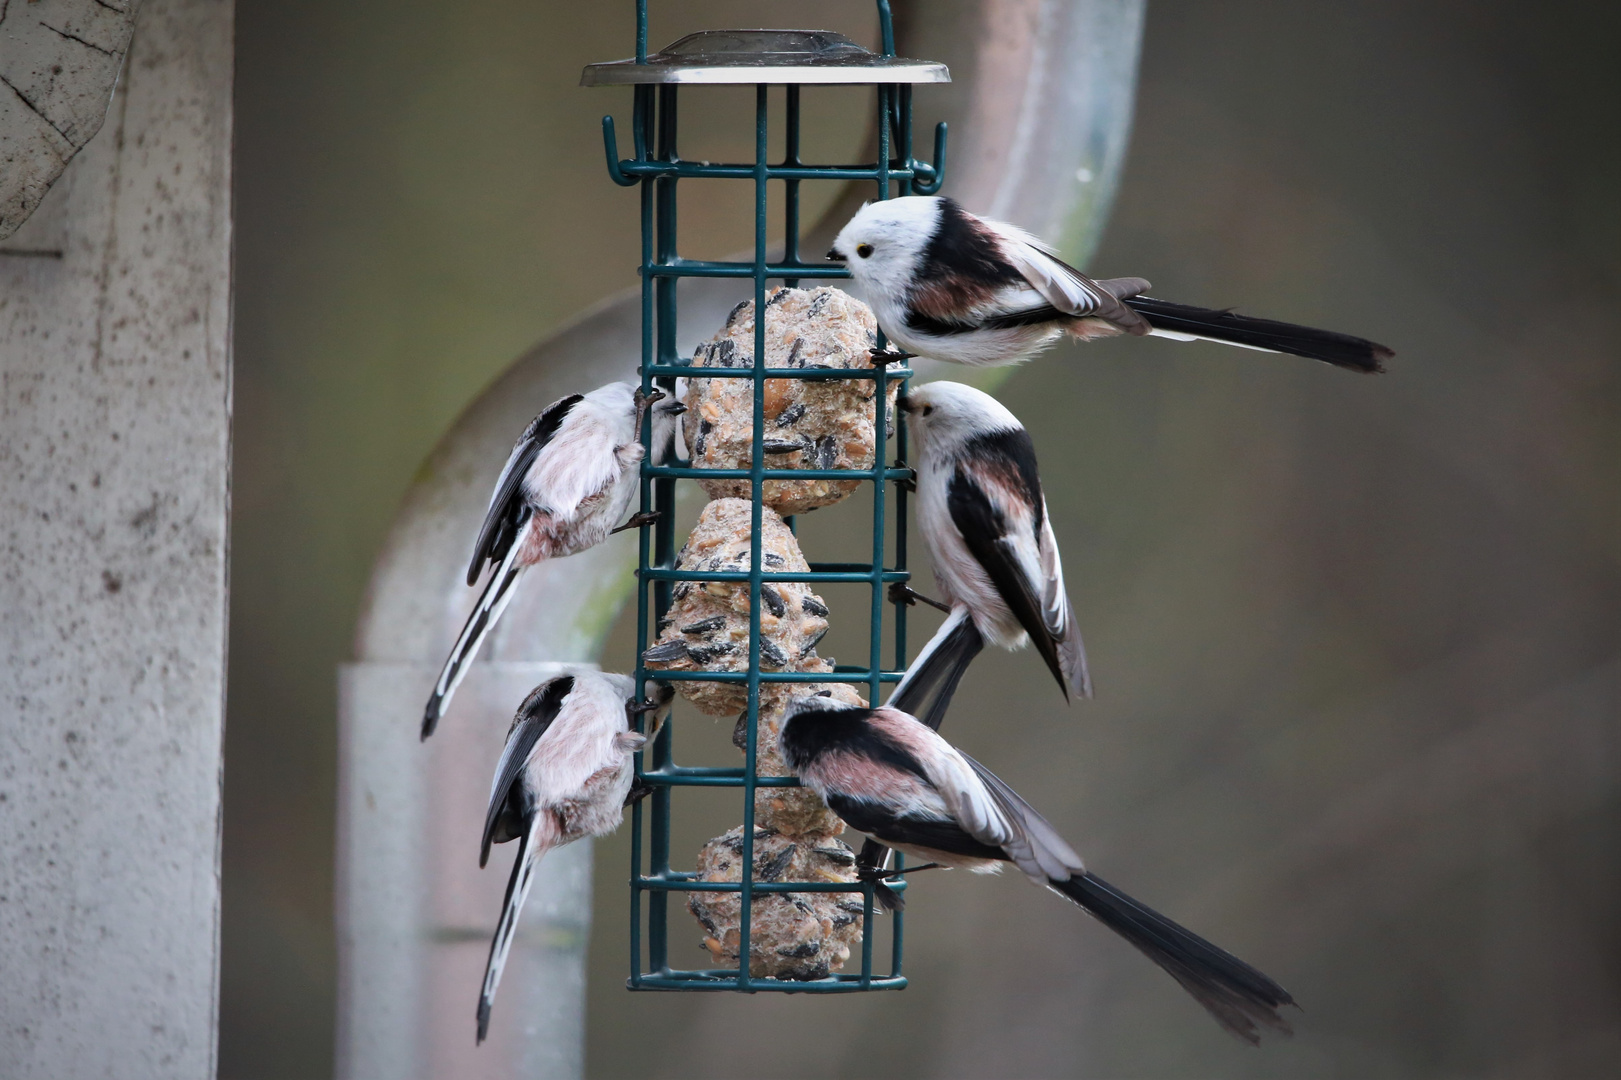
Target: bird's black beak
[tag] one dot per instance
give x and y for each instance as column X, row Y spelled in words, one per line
column 675, row 408
column 833, row 255
column 905, row 404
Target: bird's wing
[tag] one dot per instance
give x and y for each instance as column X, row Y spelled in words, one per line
column 996, row 516
column 1033, row 844
column 581, row 461
column 1057, row 614
column 972, row 805
column 949, row 789
column 502, row 519
column 1064, row 287
column 535, row 716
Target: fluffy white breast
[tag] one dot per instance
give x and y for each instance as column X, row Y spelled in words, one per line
column 944, row 417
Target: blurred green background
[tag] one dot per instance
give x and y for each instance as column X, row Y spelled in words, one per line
column 1355, row 639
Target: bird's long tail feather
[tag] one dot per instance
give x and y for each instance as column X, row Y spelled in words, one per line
column 492, row 602
column 1240, row 998
column 1186, row 323
column 531, row 846
column 926, row 690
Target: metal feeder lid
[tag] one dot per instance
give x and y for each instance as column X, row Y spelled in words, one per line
column 730, row 57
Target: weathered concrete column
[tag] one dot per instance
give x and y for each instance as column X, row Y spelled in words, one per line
column 115, row 391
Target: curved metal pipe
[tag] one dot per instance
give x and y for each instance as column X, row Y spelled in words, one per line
column 1040, row 112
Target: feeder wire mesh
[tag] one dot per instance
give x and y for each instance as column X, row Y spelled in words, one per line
column 657, row 167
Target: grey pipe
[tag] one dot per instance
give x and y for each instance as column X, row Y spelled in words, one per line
column 1039, row 110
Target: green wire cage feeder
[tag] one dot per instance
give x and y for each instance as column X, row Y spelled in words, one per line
column 763, row 59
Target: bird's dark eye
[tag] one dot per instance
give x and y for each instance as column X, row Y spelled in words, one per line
column 865, row 250
column 928, row 409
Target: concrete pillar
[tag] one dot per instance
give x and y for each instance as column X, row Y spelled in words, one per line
column 115, row 405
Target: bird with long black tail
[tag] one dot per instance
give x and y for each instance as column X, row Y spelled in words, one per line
column 949, row 285
column 894, row 778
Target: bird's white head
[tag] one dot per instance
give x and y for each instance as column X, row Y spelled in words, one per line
column 884, row 244
column 944, row 414
column 613, row 397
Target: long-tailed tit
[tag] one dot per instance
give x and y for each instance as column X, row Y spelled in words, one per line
column 890, row 776
column 952, row 286
column 565, row 774
column 982, row 515
column 569, row 481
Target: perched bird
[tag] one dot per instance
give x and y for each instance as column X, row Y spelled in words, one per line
column 982, row 515
column 565, row 774
column 569, row 481
column 890, row 776
column 949, row 285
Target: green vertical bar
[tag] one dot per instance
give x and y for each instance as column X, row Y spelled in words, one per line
column 643, row 120
column 664, row 292
column 875, row 634
column 903, row 133
column 756, row 563
column 905, row 154
column 897, row 928
column 866, row 940
column 790, row 226
column 897, row 924
column 876, row 629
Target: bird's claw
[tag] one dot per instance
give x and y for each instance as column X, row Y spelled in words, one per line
column 889, row 355
column 638, row 791
column 636, row 521
column 902, row 593
column 884, row 896
column 642, row 399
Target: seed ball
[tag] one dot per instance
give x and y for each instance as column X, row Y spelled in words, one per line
column 822, row 424
column 708, row 626
column 794, row 936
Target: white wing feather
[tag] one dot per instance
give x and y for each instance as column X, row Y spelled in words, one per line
column 1060, row 286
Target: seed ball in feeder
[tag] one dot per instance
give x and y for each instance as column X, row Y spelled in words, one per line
column 795, row 936
column 707, row 626
column 822, row 424
column 794, row 812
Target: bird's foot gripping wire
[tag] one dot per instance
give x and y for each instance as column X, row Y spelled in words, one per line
column 636, row 521
column 901, row 593
column 890, row 355
column 642, row 401
column 640, row 790
column 886, row 897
